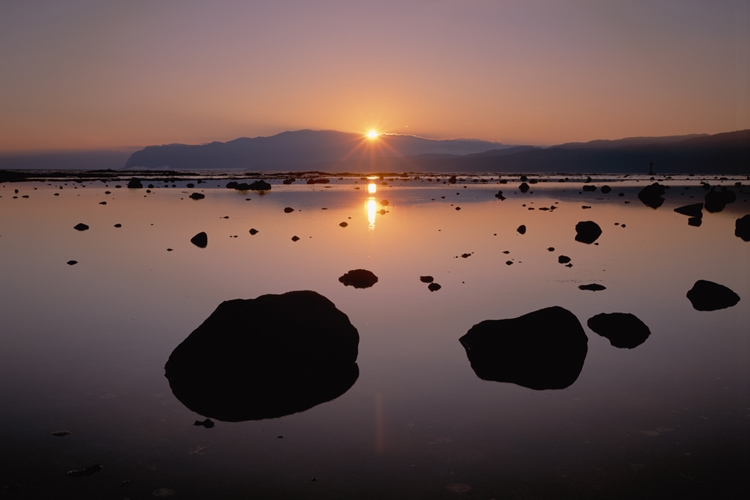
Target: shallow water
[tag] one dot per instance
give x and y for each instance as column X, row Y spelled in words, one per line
column 84, row 346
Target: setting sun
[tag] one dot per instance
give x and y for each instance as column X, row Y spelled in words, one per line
column 372, row 134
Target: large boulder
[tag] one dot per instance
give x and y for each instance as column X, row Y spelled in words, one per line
column 742, row 227
column 717, row 200
column 266, row 357
column 710, row 296
column 587, row 231
column 652, row 195
column 359, row 278
column 540, row 350
column 623, row 330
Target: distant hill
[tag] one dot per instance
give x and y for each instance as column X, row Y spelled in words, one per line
column 727, row 153
column 299, row 150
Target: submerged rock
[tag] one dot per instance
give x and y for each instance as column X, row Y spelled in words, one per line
column 200, row 240
column 540, row 350
column 652, row 195
column 623, row 330
column 359, row 278
column 265, row 358
column 710, row 296
column 587, row 231
column 742, row 227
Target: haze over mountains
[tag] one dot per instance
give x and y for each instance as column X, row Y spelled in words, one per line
column 343, row 152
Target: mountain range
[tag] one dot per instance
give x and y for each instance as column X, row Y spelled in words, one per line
column 332, row 151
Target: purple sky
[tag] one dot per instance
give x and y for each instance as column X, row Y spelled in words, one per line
column 92, row 74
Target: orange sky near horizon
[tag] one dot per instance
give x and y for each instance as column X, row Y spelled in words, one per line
column 93, row 75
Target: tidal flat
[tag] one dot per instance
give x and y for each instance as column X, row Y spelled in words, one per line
column 90, row 318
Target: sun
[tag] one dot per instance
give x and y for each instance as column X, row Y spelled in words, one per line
column 372, row 134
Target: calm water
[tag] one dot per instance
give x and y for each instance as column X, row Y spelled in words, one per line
column 83, row 347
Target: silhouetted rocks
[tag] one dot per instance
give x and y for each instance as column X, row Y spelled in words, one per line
column 135, row 183
column 523, row 187
column 265, row 358
column 540, row 350
column 207, row 423
column 197, row 196
column 710, row 296
column 359, row 278
column 652, row 195
column 694, row 210
column 594, row 287
column 253, row 231
column 288, row 180
column 72, row 262
column 589, row 187
column 500, row 196
column 521, row 229
column 288, row 210
column 259, row 185
column 200, row 240
column 623, row 330
column 426, row 279
column 587, row 231
column 742, row 227
column 433, row 287
column 563, row 259
column 716, row 201
column 295, row 238
column 81, row 227
column 605, row 189
column 695, row 221
column 343, row 224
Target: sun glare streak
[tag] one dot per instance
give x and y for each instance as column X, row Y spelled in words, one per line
column 372, row 188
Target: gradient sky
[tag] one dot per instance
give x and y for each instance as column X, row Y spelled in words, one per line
column 79, row 74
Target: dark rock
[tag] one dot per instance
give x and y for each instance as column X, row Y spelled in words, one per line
column 508, row 262
column 563, row 259
column 623, row 330
column 118, row 225
column 540, row 350
column 260, row 185
column 265, row 358
column 710, row 296
column 426, row 279
column 651, row 195
column 253, row 231
column 499, row 195
column 521, row 229
column 295, row 238
column 88, row 471
column 694, row 210
column 717, row 200
column 605, row 189
column 343, row 224
column 465, row 255
column 80, row 227
column 695, row 221
column 523, row 187
column 197, row 196
column 452, row 179
column 189, row 185
column 359, row 278
column 288, row 210
column 523, row 178
column 433, row 287
column 742, row 227
column 200, row 240
column 288, row 180
column 102, row 203
column 242, row 186
column 589, row 187
column 208, row 423
column 135, row 183
column 72, row 262
column 232, row 185
column 594, row 287
column 318, row 181
column 587, row 231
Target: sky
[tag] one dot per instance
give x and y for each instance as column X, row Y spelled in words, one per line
column 91, row 74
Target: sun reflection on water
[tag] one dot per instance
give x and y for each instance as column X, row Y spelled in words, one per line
column 372, row 188
column 372, row 209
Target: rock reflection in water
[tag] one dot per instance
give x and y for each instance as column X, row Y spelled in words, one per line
column 544, row 349
column 266, row 357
